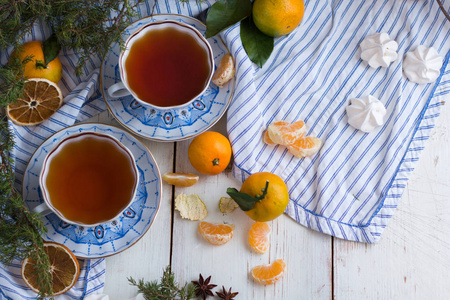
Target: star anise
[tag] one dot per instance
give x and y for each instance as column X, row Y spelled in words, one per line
column 226, row 295
column 203, row 287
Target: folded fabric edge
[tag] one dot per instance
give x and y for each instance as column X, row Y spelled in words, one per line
column 94, row 279
column 371, row 231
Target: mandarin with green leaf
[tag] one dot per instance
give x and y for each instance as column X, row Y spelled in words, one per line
column 277, row 17
column 263, row 196
column 37, row 67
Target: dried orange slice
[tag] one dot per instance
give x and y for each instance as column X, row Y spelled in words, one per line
column 41, row 98
column 259, row 237
column 64, row 269
column 305, row 146
column 216, row 234
column 181, row 179
column 190, row 207
column 268, row 274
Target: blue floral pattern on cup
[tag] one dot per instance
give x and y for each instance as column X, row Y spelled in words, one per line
column 108, row 238
column 169, row 124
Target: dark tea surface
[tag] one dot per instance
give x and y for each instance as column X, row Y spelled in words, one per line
column 90, row 180
column 167, row 67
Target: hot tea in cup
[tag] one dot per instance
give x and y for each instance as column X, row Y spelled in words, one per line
column 165, row 64
column 88, row 179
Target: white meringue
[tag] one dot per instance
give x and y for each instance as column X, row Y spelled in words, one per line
column 366, row 113
column 379, row 50
column 422, row 65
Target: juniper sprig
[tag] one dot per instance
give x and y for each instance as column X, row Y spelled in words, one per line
column 168, row 288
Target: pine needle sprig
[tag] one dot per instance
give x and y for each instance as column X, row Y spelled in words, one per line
column 12, row 80
column 168, row 288
column 20, row 229
column 87, row 27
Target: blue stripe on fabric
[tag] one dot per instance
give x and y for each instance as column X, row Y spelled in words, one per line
column 422, row 128
column 444, row 67
column 321, row 212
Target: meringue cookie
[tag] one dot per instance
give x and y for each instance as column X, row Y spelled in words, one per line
column 379, row 50
column 422, row 65
column 366, row 113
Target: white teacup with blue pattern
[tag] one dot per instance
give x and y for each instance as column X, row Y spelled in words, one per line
column 170, row 65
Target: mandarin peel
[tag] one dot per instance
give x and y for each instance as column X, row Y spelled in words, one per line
column 191, row 207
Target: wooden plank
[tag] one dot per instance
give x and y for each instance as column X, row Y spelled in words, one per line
column 150, row 255
column 307, row 253
column 412, row 259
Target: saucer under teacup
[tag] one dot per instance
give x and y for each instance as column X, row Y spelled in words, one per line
column 107, row 238
column 181, row 123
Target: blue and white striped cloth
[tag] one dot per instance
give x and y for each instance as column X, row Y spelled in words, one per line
column 90, row 281
column 351, row 188
column 82, row 100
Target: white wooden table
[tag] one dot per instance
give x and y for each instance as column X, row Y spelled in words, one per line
column 411, row 261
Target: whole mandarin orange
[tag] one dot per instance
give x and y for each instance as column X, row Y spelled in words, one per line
column 210, row 153
column 275, row 199
column 36, row 68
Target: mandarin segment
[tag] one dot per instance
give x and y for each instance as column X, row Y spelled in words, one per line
column 39, row 102
column 267, row 139
column 295, row 131
column 181, row 179
column 269, row 274
column 293, row 136
column 225, row 71
column 64, row 269
column 216, row 234
column 259, row 237
column 275, row 131
column 305, row 147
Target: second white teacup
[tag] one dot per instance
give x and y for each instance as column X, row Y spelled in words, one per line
column 88, row 179
column 165, row 65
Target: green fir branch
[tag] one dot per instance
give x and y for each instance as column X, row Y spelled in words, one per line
column 168, row 288
column 12, row 81
column 20, row 229
column 88, row 28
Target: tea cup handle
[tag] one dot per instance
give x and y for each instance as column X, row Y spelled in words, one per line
column 118, row 90
column 43, row 209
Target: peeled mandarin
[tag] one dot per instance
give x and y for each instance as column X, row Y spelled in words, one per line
column 216, row 234
column 269, row 274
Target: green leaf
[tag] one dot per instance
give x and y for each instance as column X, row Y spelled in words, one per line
column 245, row 201
column 51, row 48
column 225, row 13
column 257, row 45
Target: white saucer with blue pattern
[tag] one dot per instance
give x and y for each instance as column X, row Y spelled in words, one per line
column 166, row 125
column 108, row 238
